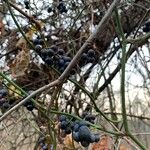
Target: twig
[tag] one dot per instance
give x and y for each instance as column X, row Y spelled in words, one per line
column 139, row 40
column 129, row 115
column 31, row 18
column 18, row 26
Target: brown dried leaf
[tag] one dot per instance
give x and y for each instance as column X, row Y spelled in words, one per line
column 70, row 144
column 125, row 146
column 104, row 144
column 22, row 42
column 20, row 64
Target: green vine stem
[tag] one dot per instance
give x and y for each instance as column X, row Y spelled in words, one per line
column 122, row 86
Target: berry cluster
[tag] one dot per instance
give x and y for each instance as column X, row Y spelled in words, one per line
column 61, row 7
column 146, row 27
column 88, row 57
column 4, row 103
column 88, row 117
column 54, row 57
column 38, row 42
column 27, row 4
column 29, row 105
column 65, row 124
column 79, row 129
column 42, row 142
column 57, row 57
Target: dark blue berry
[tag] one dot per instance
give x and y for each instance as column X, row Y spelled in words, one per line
column 85, row 143
column 90, row 117
column 62, row 8
column 68, row 130
column 61, row 62
column 36, row 42
column 49, row 61
column 84, row 114
column 62, row 118
column 75, row 136
column 82, row 123
column 30, row 107
column 50, row 52
column 76, row 127
column 66, row 64
column 45, row 147
column 97, row 137
column 146, row 27
column 91, row 53
column 61, row 69
column 84, row 134
column 73, row 72
column 29, row 102
column 44, row 54
column 92, row 138
column 3, row 92
column 38, row 48
column 2, row 101
column 66, row 58
column 6, row 105
column 91, row 59
column 61, row 52
column 84, row 57
column 63, row 125
column 49, row 10
column 27, row 4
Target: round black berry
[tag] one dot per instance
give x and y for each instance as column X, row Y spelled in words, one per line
column 85, row 143
column 3, row 92
column 36, row 41
column 62, row 118
column 68, row 130
column 92, row 138
column 84, row 134
column 97, row 137
column 63, row 125
column 49, row 10
column 61, row 52
column 75, row 136
column 49, row 60
column 91, row 53
column 30, row 107
column 6, row 105
column 38, row 48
